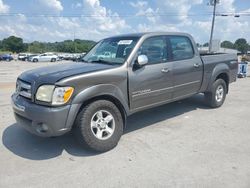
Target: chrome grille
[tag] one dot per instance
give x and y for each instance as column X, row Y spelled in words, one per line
column 23, row 89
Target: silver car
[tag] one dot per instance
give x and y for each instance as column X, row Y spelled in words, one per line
column 45, row 57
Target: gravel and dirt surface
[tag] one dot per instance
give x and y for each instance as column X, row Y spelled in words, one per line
column 183, row 144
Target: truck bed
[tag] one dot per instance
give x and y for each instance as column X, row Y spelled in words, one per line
column 222, row 61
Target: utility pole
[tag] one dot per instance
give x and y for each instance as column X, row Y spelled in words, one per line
column 213, row 3
column 74, row 42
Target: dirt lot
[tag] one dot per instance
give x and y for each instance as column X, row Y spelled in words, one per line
column 183, row 144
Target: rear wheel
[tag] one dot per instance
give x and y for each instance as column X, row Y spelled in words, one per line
column 99, row 126
column 217, row 96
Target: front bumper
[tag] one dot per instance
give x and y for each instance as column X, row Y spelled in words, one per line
column 40, row 120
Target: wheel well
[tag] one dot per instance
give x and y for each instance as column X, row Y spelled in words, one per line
column 111, row 99
column 224, row 77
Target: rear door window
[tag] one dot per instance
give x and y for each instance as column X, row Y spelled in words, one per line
column 182, row 47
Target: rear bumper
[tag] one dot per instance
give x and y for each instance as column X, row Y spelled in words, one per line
column 40, row 120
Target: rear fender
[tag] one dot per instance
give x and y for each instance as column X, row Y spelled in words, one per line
column 221, row 68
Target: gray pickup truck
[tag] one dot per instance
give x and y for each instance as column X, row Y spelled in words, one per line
column 119, row 76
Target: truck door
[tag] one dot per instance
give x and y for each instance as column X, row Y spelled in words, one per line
column 151, row 84
column 187, row 67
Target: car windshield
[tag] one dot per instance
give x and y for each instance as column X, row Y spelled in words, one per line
column 111, row 50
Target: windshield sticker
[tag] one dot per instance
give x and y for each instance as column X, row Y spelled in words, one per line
column 125, row 42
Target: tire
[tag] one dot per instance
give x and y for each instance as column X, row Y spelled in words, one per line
column 35, row 60
column 217, row 96
column 86, row 126
column 53, row 60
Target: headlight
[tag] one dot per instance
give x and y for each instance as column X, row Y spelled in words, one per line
column 54, row 95
column 62, row 95
column 44, row 93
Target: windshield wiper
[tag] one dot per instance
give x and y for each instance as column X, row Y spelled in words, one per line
column 103, row 62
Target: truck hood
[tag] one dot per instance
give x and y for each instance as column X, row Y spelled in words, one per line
column 52, row 74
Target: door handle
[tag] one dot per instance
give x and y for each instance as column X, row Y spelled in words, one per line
column 196, row 65
column 165, row 70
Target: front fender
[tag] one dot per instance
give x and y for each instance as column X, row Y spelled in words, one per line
column 93, row 92
column 99, row 90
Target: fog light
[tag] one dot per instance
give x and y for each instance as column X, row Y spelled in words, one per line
column 42, row 128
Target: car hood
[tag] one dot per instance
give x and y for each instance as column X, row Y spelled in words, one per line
column 52, row 74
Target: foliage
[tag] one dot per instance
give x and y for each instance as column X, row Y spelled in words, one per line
column 198, row 45
column 227, row 44
column 241, row 45
column 206, row 44
column 15, row 44
column 69, row 46
column 36, row 47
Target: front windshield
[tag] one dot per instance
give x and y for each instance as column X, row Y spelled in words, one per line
column 112, row 50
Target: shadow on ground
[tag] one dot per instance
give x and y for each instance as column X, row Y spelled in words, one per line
column 28, row 146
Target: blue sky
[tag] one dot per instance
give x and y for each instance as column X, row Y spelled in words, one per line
column 57, row 20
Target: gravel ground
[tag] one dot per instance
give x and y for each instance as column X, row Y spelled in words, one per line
column 183, row 144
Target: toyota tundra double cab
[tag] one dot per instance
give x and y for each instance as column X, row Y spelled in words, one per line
column 94, row 97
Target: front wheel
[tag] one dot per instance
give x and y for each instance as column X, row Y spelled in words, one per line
column 99, row 126
column 53, row 60
column 217, row 96
column 35, row 60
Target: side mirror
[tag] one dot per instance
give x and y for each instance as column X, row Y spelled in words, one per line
column 142, row 60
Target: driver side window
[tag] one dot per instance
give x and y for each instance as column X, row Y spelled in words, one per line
column 155, row 48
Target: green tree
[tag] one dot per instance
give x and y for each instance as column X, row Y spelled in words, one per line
column 36, row 47
column 198, row 45
column 241, row 45
column 68, row 46
column 13, row 44
column 1, row 45
column 206, row 44
column 227, row 44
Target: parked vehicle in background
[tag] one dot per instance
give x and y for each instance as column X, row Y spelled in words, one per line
column 23, row 56
column 140, row 71
column 67, row 56
column 79, row 57
column 29, row 58
column 6, row 57
column 44, row 57
column 60, row 56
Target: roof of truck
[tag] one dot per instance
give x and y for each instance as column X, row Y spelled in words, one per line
column 151, row 34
